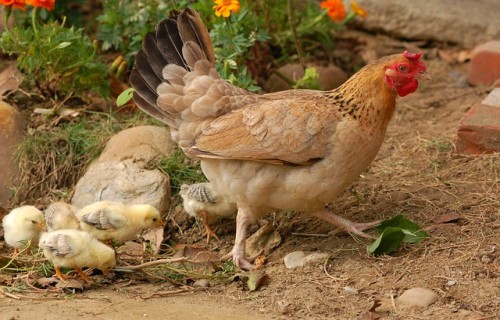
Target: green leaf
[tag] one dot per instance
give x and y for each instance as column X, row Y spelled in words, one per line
column 388, row 241
column 63, row 45
column 125, row 97
column 398, row 221
column 414, row 236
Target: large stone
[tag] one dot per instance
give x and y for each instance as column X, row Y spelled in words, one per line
column 484, row 67
column 479, row 129
column 12, row 124
column 143, row 144
column 467, row 22
column 125, row 182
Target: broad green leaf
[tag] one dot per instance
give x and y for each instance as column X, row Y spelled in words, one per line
column 414, row 236
column 125, row 97
column 389, row 241
column 398, row 221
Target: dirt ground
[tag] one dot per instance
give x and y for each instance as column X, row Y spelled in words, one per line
column 417, row 173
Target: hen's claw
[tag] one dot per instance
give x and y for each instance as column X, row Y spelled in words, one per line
column 242, row 262
column 347, row 225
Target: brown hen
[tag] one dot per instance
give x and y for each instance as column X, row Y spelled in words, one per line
column 295, row 150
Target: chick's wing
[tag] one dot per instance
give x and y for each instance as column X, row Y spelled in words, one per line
column 103, row 219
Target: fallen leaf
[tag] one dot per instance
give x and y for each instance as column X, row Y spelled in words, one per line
column 131, row 251
column 256, row 279
column 200, row 258
column 45, row 282
column 10, row 79
column 71, row 284
column 446, row 217
column 263, row 240
column 155, row 238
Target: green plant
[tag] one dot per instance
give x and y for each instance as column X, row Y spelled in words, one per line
column 57, row 60
column 180, row 169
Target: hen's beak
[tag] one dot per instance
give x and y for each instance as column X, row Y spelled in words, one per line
column 426, row 75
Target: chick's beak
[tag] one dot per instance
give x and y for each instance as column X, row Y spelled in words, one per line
column 105, row 272
column 42, row 226
column 159, row 223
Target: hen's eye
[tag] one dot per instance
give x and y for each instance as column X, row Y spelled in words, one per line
column 402, row 68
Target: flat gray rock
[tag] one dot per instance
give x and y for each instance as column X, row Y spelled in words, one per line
column 125, row 182
column 467, row 22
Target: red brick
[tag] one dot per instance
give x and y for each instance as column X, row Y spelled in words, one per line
column 479, row 129
column 485, row 64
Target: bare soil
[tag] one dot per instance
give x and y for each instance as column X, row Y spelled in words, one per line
column 417, row 173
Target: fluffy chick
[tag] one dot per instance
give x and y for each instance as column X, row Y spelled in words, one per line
column 76, row 249
column 61, row 215
column 109, row 220
column 22, row 226
column 202, row 201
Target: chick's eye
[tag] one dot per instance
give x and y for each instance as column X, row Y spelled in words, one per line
column 154, row 219
column 402, row 68
column 33, row 221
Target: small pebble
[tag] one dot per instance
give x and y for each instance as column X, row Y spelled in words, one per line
column 451, row 283
column 202, row 283
column 351, row 290
column 417, row 297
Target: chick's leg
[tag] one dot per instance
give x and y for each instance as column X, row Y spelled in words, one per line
column 83, row 274
column 244, row 218
column 59, row 274
column 208, row 231
column 345, row 224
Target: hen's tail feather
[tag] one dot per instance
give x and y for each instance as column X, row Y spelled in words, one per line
column 153, row 55
column 191, row 28
column 169, row 42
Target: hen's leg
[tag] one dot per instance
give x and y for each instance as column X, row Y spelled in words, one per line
column 208, row 231
column 347, row 225
column 244, row 218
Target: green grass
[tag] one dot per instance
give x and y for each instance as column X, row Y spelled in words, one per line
column 181, row 170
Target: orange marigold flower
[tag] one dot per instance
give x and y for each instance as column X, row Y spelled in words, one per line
column 18, row 4
column 335, row 9
column 47, row 4
column 358, row 9
column 224, row 7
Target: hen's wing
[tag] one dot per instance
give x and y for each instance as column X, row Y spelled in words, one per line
column 103, row 219
column 290, row 131
column 58, row 244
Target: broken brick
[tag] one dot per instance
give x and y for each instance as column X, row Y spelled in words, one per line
column 479, row 129
column 485, row 64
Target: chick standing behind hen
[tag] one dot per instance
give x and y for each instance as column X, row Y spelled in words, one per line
column 22, row 227
column 202, row 201
column 293, row 150
column 76, row 249
column 61, row 215
column 109, row 220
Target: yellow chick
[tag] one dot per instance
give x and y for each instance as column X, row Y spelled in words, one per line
column 202, row 201
column 76, row 249
column 108, row 220
column 61, row 215
column 22, row 227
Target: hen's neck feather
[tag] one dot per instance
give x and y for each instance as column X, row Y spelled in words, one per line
column 365, row 97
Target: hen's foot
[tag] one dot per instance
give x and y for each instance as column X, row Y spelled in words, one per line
column 242, row 262
column 347, row 225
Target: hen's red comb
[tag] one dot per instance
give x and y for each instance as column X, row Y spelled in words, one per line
column 412, row 56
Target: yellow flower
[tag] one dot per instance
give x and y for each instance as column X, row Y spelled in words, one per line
column 335, row 9
column 224, row 7
column 358, row 9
